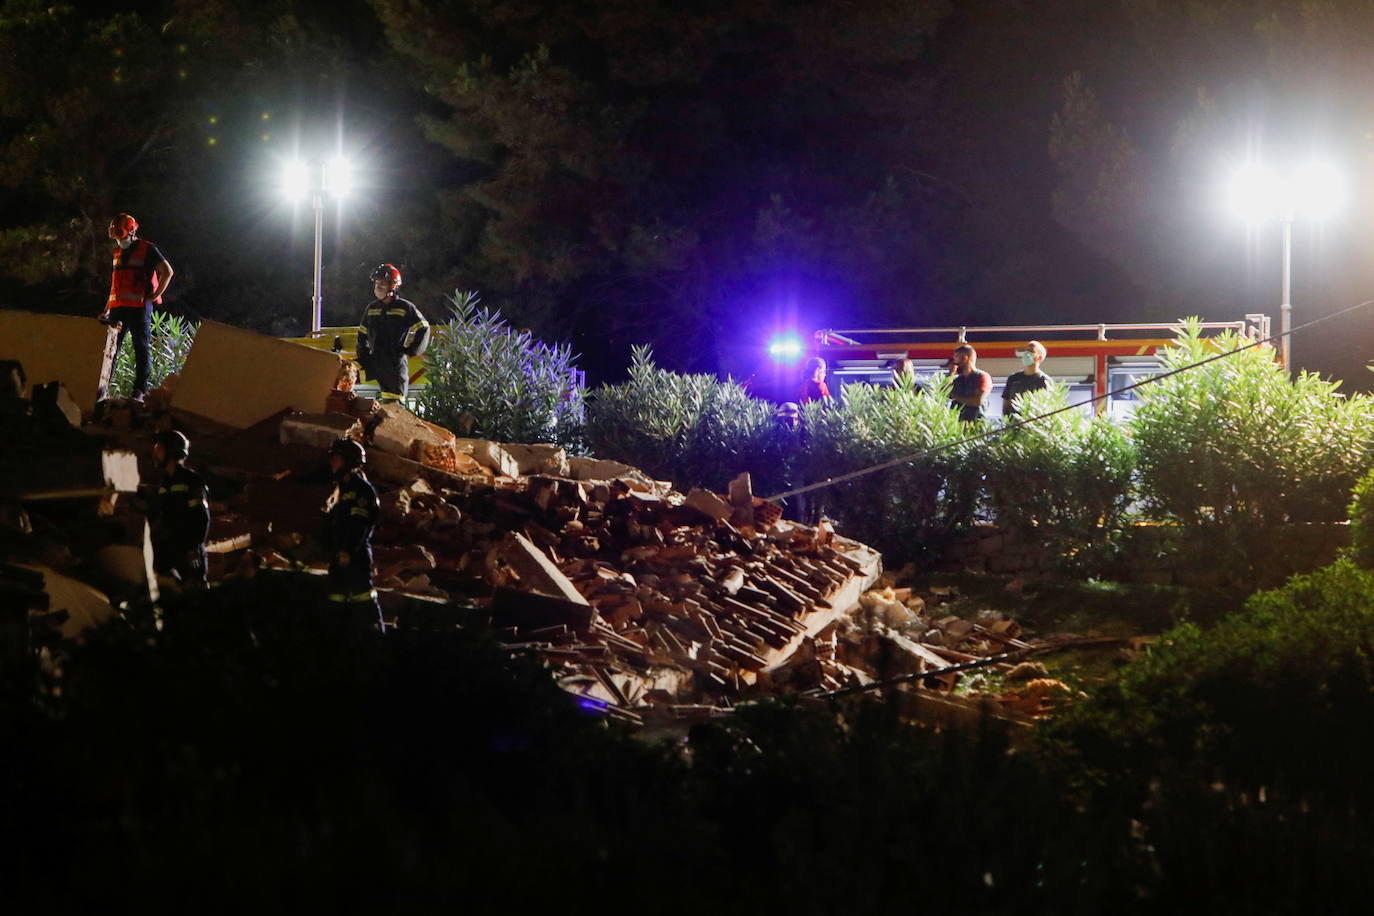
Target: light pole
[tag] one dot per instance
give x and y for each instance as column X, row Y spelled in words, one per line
column 317, row 180
column 1313, row 191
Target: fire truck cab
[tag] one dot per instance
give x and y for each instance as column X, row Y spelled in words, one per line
column 1092, row 359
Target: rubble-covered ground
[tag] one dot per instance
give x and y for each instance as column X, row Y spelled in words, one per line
column 645, row 603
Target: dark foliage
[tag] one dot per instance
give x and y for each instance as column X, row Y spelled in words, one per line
column 254, row 755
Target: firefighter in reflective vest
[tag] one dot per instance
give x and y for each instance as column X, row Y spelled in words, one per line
column 180, row 512
column 392, row 330
column 138, row 278
column 352, row 517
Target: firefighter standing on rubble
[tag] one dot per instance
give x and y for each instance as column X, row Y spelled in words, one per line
column 392, row 331
column 180, row 512
column 138, row 278
column 352, row 517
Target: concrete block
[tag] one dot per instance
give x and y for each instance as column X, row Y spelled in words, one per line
column 398, row 430
column 119, row 466
column 319, row 430
column 538, row 458
column 78, row 473
column 493, row 456
column 708, row 503
column 78, row 352
column 602, row 469
column 240, row 378
column 742, row 491
column 537, row 572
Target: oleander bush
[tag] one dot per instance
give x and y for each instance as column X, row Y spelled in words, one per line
column 1237, row 442
column 1065, row 477
column 1235, row 450
column 912, row 505
column 169, row 345
column 1361, row 514
column 694, row 430
column 489, row 381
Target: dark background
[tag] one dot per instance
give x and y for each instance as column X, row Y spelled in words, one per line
column 694, row 175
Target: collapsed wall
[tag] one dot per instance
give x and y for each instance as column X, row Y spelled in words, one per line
column 635, row 595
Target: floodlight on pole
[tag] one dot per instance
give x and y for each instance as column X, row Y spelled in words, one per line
column 316, row 179
column 1315, row 192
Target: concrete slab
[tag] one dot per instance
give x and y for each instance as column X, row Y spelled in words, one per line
column 319, row 430
column 78, row 352
column 240, row 378
column 85, row 606
column 538, row 458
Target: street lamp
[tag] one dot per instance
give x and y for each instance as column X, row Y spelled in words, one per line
column 317, row 179
column 1258, row 193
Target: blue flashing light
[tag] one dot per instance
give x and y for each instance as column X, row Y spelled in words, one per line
column 785, row 349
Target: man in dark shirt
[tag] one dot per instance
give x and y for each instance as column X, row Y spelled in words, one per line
column 969, row 391
column 138, row 278
column 180, row 512
column 1028, row 379
column 392, row 331
column 352, row 517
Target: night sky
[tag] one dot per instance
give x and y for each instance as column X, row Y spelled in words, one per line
column 696, row 175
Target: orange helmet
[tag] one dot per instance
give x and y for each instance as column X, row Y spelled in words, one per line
column 123, row 225
column 387, row 272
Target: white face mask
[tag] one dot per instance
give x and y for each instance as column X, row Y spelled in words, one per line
column 1027, row 358
column 125, row 242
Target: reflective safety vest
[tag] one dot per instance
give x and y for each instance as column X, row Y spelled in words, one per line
column 131, row 276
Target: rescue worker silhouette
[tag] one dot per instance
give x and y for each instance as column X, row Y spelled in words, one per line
column 392, row 330
column 180, row 512
column 138, row 278
column 352, row 517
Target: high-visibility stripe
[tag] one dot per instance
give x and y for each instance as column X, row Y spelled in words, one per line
column 359, row 510
column 414, row 330
column 388, row 396
column 198, row 502
column 369, row 595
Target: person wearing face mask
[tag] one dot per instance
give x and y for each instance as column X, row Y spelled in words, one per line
column 352, row 517
column 138, row 278
column 1028, row 379
column 392, row 331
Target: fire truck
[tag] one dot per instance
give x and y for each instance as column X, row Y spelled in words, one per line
column 1092, row 359
column 344, row 341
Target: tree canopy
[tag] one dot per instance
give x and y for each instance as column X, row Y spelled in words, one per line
column 685, row 175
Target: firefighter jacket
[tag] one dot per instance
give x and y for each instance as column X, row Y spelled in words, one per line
column 131, row 275
column 389, row 333
column 352, row 518
column 181, row 510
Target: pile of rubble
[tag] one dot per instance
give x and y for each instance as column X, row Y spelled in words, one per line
column 644, row 602
column 643, row 599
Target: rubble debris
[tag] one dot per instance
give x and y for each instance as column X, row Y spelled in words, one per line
column 267, row 375
column 71, row 605
column 54, row 406
column 78, row 352
column 319, row 430
column 541, row 458
column 493, row 456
